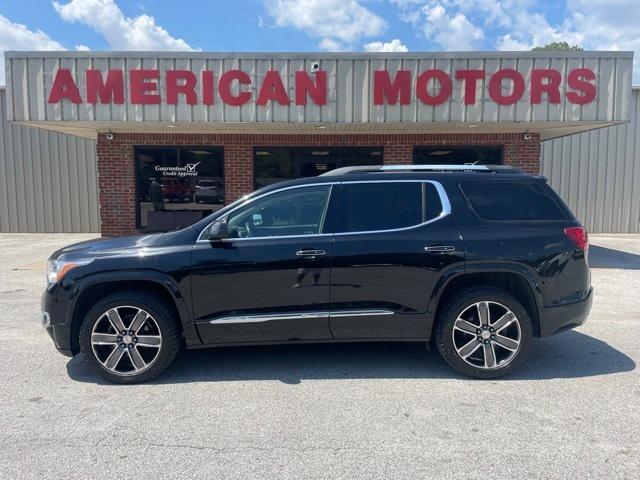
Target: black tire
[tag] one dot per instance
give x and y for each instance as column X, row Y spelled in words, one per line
column 461, row 302
column 165, row 322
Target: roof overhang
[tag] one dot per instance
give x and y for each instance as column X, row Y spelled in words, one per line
column 547, row 130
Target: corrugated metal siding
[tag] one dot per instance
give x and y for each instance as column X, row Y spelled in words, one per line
column 48, row 181
column 597, row 173
column 349, row 87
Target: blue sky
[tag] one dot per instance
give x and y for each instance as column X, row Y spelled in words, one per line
column 317, row 25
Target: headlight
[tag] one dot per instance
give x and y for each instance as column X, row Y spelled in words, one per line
column 56, row 269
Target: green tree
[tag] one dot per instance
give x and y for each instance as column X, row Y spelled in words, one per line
column 555, row 46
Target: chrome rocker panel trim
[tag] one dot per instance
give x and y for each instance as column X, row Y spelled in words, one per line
column 297, row 316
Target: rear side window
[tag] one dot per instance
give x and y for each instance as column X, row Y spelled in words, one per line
column 387, row 205
column 511, row 201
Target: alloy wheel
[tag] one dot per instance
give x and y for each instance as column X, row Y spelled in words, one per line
column 487, row 335
column 126, row 340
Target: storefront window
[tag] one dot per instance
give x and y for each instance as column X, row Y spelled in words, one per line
column 274, row 164
column 445, row 155
column 177, row 186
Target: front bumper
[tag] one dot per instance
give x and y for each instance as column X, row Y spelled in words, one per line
column 559, row 318
column 55, row 320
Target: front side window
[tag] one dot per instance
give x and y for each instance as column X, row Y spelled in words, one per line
column 511, row 201
column 387, row 205
column 297, row 211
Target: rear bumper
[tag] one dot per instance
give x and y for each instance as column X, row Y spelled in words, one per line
column 559, row 318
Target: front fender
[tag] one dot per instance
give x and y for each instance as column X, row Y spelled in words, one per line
column 168, row 283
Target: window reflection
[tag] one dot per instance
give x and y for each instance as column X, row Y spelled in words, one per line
column 177, row 186
column 445, row 155
column 275, row 164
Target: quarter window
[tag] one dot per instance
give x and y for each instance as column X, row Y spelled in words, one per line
column 298, row 211
column 512, row 201
column 387, row 205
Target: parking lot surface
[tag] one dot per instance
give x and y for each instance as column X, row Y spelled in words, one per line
column 325, row 411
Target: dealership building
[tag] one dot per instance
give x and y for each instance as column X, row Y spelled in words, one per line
column 121, row 142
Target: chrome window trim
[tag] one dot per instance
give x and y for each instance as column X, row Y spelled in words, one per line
column 444, row 200
column 268, row 317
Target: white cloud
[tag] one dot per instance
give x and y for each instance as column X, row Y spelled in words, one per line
column 442, row 22
column 507, row 43
column 15, row 36
column 452, row 32
column 120, row 32
column 340, row 23
column 394, row 45
column 609, row 25
column 330, row 45
column 531, row 29
column 524, row 24
column 82, row 48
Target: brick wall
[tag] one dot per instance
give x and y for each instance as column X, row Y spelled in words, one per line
column 116, row 168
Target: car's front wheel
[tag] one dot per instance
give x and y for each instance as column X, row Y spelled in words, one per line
column 484, row 333
column 129, row 337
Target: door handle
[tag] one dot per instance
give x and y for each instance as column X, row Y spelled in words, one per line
column 310, row 253
column 440, row 248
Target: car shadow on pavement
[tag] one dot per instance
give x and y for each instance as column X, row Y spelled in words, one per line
column 569, row 355
column 602, row 257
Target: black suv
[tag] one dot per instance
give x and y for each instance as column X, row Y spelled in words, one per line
column 475, row 259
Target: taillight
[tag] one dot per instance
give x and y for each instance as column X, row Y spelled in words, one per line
column 578, row 236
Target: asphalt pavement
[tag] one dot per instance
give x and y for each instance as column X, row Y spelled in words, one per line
column 325, row 411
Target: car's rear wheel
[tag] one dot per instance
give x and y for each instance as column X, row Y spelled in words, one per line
column 484, row 333
column 129, row 337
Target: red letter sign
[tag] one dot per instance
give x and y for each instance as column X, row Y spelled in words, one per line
column 305, row 86
column 469, row 77
column 111, row 90
column 224, row 87
column 186, row 88
column 587, row 88
column 139, row 87
column 207, row 87
column 445, row 87
column 495, row 86
column 64, row 87
column 272, row 89
column 383, row 88
column 552, row 85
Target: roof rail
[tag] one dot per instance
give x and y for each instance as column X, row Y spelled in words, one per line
column 423, row 168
